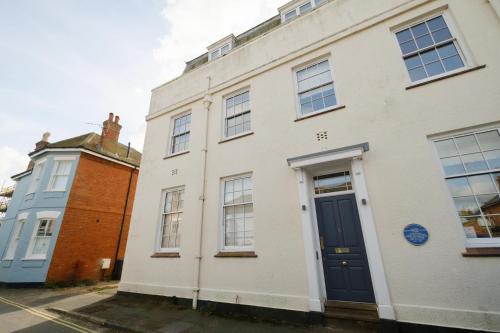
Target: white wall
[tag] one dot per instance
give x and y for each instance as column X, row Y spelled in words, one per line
column 432, row 284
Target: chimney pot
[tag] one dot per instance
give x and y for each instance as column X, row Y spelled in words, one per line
column 110, row 134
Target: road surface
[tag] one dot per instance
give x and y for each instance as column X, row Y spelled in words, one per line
column 20, row 318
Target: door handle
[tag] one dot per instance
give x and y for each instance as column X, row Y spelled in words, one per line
column 322, row 243
column 344, row 263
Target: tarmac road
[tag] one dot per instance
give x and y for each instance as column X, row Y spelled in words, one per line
column 19, row 318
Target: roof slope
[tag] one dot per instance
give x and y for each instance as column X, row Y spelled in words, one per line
column 91, row 141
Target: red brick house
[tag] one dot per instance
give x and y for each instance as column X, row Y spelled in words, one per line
column 71, row 210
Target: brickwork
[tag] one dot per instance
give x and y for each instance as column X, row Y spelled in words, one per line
column 91, row 224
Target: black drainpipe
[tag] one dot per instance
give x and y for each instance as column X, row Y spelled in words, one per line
column 117, row 270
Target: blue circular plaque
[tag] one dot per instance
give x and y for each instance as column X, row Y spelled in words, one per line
column 416, row 234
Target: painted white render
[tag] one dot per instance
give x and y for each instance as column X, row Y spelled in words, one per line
column 399, row 176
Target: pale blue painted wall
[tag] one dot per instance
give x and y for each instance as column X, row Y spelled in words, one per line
column 19, row 270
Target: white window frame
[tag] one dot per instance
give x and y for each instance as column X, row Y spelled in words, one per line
column 15, row 238
column 57, row 160
column 159, row 238
column 171, row 134
column 457, row 40
column 43, row 215
column 224, row 135
column 37, row 175
column 296, row 86
column 296, row 8
column 468, row 242
column 219, row 52
column 222, row 228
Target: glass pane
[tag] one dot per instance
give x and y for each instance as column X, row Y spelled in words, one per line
column 448, row 50
column 459, row 187
column 315, row 81
column 330, row 101
column 436, row 23
column 305, row 8
column 413, row 62
column 434, row 68
column 446, row 148
column 489, row 203
column 466, row 206
column 474, row 162
column 417, row 74
column 496, row 180
column 453, row 63
column 424, row 41
column 41, row 245
column 494, row 222
column 452, row 166
column 475, row 227
column 419, row 30
column 489, row 140
column 408, row 47
column 332, row 183
column 482, row 184
column 404, row 36
column 493, row 159
column 290, row 15
column 441, row 35
column 467, row 144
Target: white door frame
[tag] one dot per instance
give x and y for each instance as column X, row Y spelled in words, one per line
column 317, row 288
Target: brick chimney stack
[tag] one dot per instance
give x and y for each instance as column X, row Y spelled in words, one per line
column 44, row 142
column 39, row 146
column 110, row 133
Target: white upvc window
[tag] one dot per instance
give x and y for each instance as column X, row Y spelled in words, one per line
column 14, row 241
column 60, row 175
column 180, row 134
column 237, row 213
column 37, row 176
column 237, row 114
column 315, row 87
column 429, row 48
column 40, row 242
column 289, row 13
column 171, row 220
column 471, row 167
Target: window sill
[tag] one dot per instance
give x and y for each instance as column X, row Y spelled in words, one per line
column 239, row 254
column 34, row 259
column 446, row 76
column 310, row 115
column 234, row 137
column 7, row 259
column 482, row 252
column 166, row 255
column 176, row 154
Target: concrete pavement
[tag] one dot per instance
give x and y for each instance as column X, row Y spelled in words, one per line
column 100, row 309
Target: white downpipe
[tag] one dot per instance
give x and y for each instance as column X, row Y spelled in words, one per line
column 207, row 102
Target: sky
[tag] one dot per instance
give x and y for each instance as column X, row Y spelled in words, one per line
column 65, row 64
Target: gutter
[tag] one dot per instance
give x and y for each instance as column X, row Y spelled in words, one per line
column 207, row 102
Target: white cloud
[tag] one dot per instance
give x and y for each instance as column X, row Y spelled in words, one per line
column 12, row 162
column 194, row 24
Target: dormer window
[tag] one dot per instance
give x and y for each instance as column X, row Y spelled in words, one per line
column 220, row 48
column 296, row 8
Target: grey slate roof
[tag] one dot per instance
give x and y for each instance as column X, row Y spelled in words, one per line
column 91, row 141
column 241, row 39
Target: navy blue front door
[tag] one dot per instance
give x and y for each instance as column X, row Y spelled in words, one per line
column 347, row 275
